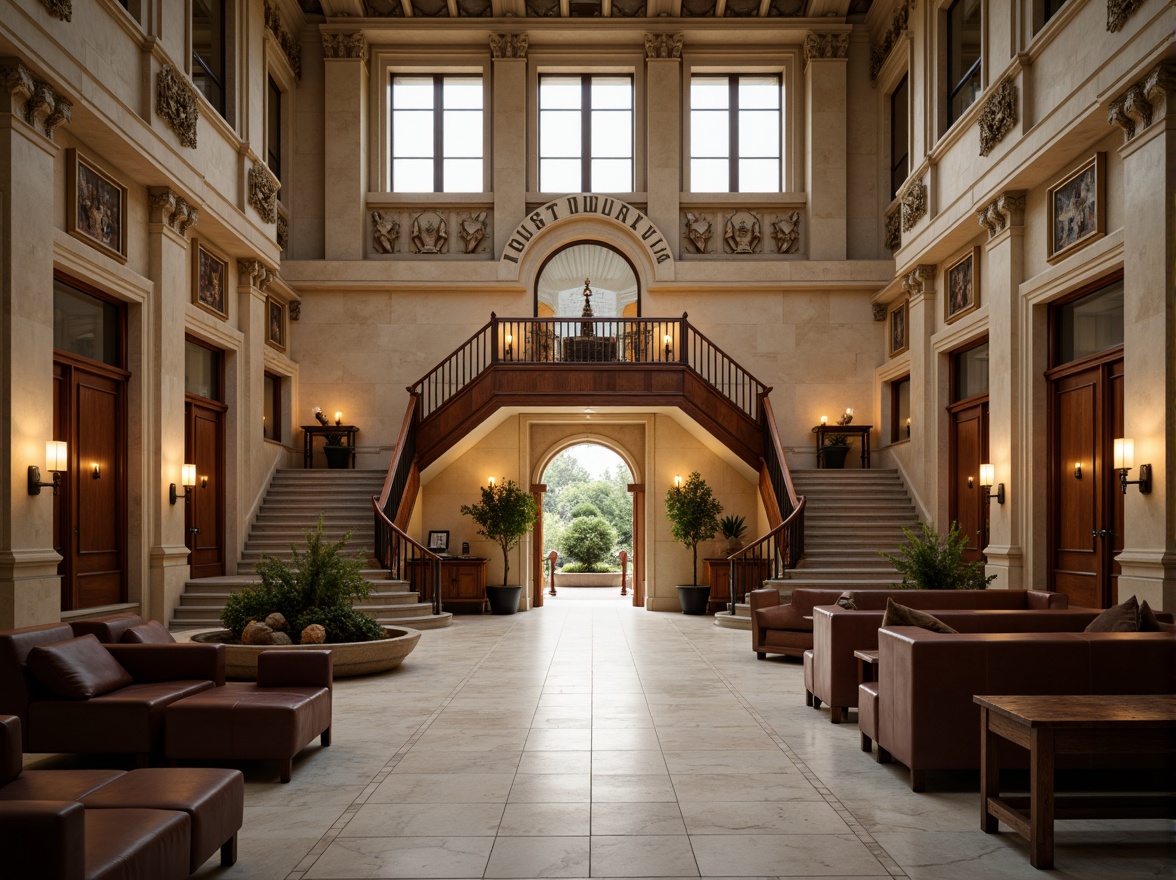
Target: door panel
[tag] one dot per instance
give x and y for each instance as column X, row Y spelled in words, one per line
column 969, row 447
column 204, row 517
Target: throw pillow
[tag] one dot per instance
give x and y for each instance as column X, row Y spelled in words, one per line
column 846, row 601
column 1148, row 622
column 1122, row 618
column 77, row 669
column 901, row 615
column 151, row 633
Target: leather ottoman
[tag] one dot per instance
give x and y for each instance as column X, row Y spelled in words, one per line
column 247, row 722
column 214, row 800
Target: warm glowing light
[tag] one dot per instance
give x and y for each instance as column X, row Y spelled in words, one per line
column 338, row 418
column 824, row 420
column 188, row 476
column 55, row 455
column 849, row 410
column 492, row 481
column 509, row 339
column 987, row 475
column 96, row 471
column 677, row 481
column 1124, row 453
column 668, row 339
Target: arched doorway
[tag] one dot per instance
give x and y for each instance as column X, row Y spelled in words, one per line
column 559, row 288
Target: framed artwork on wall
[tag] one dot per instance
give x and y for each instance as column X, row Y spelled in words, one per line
column 962, row 280
column 1077, row 208
column 275, row 333
column 96, row 206
column 209, row 280
column 439, row 541
column 896, row 326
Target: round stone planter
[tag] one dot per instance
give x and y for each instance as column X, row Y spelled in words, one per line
column 587, row 579
column 348, row 658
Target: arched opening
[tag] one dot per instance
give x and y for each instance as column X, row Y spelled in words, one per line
column 559, row 289
column 588, row 525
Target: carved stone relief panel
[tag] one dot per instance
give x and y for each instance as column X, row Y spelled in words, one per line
column 385, row 232
column 263, row 192
column 172, row 209
column 412, row 232
column 43, row 108
column 879, row 311
column 343, row 45
column 663, row 45
column 893, row 229
column 283, row 231
column 914, row 204
column 1139, row 105
column 880, row 51
column 62, row 9
column 698, row 232
column 175, row 101
column 824, row 47
column 1007, row 209
column 472, row 230
column 786, row 232
column 508, row 46
column 290, row 47
column 714, row 232
column 1118, row 11
column 998, row 116
column 741, row 233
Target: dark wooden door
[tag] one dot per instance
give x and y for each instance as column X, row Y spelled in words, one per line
column 204, row 518
column 90, row 516
column 1086, row 510
column 969, row 447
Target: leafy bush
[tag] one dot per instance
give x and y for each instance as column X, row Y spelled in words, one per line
column 504, row 515
column 693, row 512
column 321, row 577
column 931, row 562
column 585, row 509
column 342, row 623
column 733, row 526
column 596, row 568
column 588, row 540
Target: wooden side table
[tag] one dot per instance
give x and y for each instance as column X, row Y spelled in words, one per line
column 862, row 431
column 309, row 432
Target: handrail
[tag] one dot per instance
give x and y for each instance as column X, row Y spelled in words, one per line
column 615, row 341
column 775, row 449
column 407, row 559
column 400, row 467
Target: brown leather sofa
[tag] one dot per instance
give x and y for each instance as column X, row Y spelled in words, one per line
column 788, row 629
column 838, row 632
column 107, row 824
column 921, row 708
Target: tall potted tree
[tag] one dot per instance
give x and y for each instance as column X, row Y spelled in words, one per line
column 693, row 512
column 504, row 515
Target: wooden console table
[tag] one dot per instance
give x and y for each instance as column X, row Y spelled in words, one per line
column 309, row 432
column 862, row 430
column 749, row 575
column 1049, row 726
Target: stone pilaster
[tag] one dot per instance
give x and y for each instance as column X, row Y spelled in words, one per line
column 169, row 265
column 253, row 278
column 663, row 114
column 925, row 454
column 825, row 63
column 345, row 88
column 30, row 590
column 509, row 127
column 1148, row 559
column 1008, row 443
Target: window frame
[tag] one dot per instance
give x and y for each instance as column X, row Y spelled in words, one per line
column 437, row 112
column 951, row 89
column 274, row 399
column 390, row 63
column 272, row 150
column 896, row 184
column 899, row 431
column 224, row 82
column 586, row 113
column 732, row 111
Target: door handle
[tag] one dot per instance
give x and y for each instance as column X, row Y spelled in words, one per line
column 1102, row 533
column 195, row 530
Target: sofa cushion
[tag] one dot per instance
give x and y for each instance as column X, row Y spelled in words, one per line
column 1123, row 617
column 901, row 615
column 847, row 601
column 77, row 669
column 150, row 633
column 1148, row 622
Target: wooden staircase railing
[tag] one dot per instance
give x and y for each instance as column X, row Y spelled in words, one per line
column 405, row 558
column 781, row 548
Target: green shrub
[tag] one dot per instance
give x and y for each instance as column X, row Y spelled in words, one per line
column 342, row 623
column 321, row 577
column 588, row 540
column 504, row 515
column 693, row 512
column 596, row 568
column 931, row 562
column 585, row 509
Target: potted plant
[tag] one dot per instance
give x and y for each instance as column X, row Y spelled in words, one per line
column 931, row 562
column 693, row 512
column 504, row 515
column 338, row 456
column 835, row 451
column 733, row 528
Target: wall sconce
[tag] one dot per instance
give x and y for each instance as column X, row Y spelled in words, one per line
column 677, row 481
column 987, row 476
column 908, row 429
column 509, row 347
column 1077, row 470
column 970, row 486
column 204, row 482
column 338, row 418
column 824, row 420
column 491, row 481
column 55, row 463
column 1125, row 461
column 96, row 473
column 669, row 342
column 187, row 480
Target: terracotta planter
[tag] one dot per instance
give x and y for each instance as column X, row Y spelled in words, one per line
column 348, row 658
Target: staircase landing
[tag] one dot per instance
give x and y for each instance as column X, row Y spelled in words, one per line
column 850, row 517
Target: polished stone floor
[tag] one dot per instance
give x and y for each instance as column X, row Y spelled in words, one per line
column 591, row 739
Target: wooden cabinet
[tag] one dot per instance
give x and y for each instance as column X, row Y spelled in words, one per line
column 749, row 575
column 463, row 585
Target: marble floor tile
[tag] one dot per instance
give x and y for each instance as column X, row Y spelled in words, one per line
column 539, row 857
column 783, row 855
column 618, row 818
column 630, row 762
column 554, row 788
column 444, row 788
column 749, row 787
column 546, row 820
column 642, row 788
column 756, row 817
column 643, row 856
column 403, row 857
column 625, row 739
column 375, row 819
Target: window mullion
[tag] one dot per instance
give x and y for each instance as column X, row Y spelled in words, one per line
column 586, row 133
column 438, row 134
column 733, row 133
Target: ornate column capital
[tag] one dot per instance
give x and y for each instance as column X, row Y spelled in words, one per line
column 914, row 203
column 263, row 192
column 344, row 45
column 33, row 100
column 880, row 51
column 663, row 46
column 998, row 116
column 825, row 47
column 878, row 311
column 171, row 209
column 1007, row 209
column 508, row 46
column 175, row 101
column 255, row 273
column 290, row 47
column 1135, row 109
column 920, row 281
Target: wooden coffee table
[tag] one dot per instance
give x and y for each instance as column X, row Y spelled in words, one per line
column 1049, row 726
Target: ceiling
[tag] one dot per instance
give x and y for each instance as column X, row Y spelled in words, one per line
column 587, row 8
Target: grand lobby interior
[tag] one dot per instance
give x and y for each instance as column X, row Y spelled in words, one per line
column 952, row 220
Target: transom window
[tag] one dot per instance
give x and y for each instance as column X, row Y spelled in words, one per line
column 971, row 372
column 208, row 51
column 437, row 133
column 586, row 133
column 963, row 56
column 736, row 133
